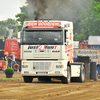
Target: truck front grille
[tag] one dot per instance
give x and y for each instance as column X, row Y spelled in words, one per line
column 42, row 65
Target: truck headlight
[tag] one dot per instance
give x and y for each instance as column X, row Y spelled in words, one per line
column 24, row 66
column 59, row 66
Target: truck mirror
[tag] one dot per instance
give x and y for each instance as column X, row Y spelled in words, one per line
column 67, row 35
column 19, row 37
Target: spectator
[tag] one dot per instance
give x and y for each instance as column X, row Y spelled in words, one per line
column 5, row 61
column 13, row 60
column 10, row 58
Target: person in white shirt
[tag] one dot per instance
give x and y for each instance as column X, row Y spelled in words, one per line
column 13, row 60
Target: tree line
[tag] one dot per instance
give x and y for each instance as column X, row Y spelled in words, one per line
column 84, row 15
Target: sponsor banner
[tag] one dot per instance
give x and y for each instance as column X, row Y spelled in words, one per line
column 94, row 54
column 42, row 24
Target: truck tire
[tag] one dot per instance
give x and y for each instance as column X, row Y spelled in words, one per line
column 67, row 79
column 82, row 74
column 17, row 66
column 28, row 79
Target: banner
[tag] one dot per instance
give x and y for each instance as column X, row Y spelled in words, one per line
column 94, row 54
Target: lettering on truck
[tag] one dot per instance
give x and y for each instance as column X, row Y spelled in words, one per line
column 43, row 24
column 69, row 50
column 41, row 47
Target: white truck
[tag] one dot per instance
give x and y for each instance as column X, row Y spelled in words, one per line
column 47, row 51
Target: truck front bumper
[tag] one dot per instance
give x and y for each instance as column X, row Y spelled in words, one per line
column 44, row 68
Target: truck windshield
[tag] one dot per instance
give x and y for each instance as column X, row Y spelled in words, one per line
column 42, row 37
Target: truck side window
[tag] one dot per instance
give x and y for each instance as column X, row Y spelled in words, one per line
column 65, row 36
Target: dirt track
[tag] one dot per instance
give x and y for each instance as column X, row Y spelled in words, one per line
column 54, row 90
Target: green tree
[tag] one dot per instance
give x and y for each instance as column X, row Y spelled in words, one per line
column 26, row 14
column 89, row 21
column 7, row 25
column 12, row 24
column 3, row 31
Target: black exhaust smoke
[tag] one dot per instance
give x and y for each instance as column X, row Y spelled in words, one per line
column 57, row 9
column 39, row 7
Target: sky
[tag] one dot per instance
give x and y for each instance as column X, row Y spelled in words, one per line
column 9, row 8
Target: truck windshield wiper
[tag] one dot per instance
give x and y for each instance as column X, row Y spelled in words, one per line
column 33, row 41
column 45, row 43
column 58, row 42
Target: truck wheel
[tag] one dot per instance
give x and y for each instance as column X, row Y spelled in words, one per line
column 67, row 79
column 82, row 74
column 17, row 66
column 28, row 79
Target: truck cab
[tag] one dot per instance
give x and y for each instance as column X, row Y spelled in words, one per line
column 12, row 45
column 47, row 50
